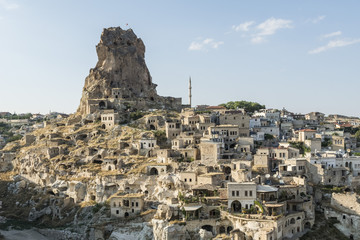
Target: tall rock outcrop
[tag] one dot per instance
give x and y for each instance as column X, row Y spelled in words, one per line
column 121, row 79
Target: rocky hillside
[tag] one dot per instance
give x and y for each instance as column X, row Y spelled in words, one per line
column 121, row 79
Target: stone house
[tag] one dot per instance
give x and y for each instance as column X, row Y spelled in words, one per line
column 188, row 178
column 185, row 139
column 109, row 118
column 109, row 164
column 261, row 162
column 191, row 121
column 131, row 204
column 314, row 144
column 254, row 122
column 305, row 134
column 282, row 153
column 173, row 129
column 154, row 122
column 146, row 147
column 241, row 195
column 293, row 167
column 267, row 193
column 228, row 134
column 236, row 118
column 338, row 143
column 271, row 130
column 210, row 151
column 154, row 170
column 213, row 178
column 316, row 116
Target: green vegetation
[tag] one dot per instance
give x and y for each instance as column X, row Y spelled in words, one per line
column 4, row 129
column 326, row 143
column 5, row 132
column 22, row 116
column 14, row 138
column 160, row 137
column 259, row 205
column 332, row 189
column 203, row 112
column 354, row 130
column 301, row 146
column 248, row 106
column 268, row 136
column 136, row 115
column 98, row 206
column 357, row 135
column 251, row 210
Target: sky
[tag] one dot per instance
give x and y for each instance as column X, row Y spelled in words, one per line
column 301, row 55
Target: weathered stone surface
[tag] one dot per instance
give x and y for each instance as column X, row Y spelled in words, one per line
column 121, row 79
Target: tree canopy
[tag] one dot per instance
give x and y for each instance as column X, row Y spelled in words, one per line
column 248, row 106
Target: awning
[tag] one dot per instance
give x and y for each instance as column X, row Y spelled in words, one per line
column 192, row 208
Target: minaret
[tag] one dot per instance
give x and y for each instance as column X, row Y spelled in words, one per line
column 190, row 91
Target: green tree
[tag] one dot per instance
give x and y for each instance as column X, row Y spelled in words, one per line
column 357, row 135
column 248, row 106
column 268, row 136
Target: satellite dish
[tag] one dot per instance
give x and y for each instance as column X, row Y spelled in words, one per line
column 267, row 176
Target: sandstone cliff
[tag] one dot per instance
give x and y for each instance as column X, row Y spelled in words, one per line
column 121, row 79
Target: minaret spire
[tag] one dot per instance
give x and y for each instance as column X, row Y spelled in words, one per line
column 190, row 91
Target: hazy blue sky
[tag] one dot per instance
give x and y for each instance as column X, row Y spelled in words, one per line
column 301, row 55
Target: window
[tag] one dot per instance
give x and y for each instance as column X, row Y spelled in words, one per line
column 117, row 211
column 237, row 193
column 137, row 204
column 132, row 204
column 246, row 193
column 250, row 193
column 126, row 203
column 185, row 180
column 190, row 180
column 233, row 193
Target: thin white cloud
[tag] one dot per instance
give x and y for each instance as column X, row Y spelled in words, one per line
column 258, row 33
column 205, row 45
column 317, row 19
column 8, row 4
column 270, row 27
column 257, row 39
column 243, row 26
column 333, row 34
column 334, row 44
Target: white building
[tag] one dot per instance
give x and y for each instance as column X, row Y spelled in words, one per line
column 241, row 195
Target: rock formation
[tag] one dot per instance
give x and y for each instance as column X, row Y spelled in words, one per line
column 121, row 79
